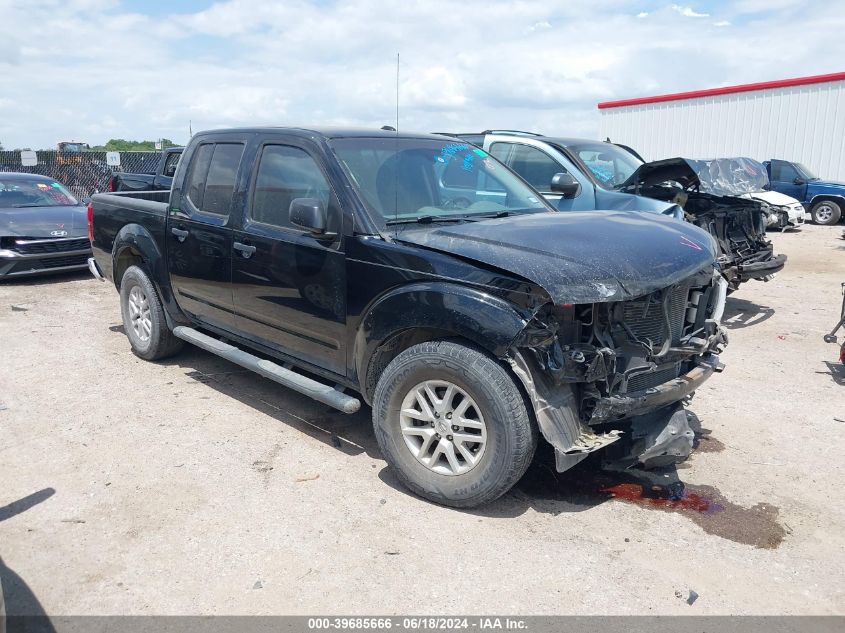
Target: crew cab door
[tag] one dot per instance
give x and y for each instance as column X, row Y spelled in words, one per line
column 199, row 238
column 785, row 178
column 289, row 284
column 537, row 166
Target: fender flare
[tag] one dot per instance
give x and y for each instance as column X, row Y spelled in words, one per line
column 142, row 240
column 837, row 198
column 489, row 321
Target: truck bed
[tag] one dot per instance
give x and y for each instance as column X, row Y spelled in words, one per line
column 136, row 211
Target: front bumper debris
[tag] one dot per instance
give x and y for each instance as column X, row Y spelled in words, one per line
column 556, row 410
column 667, row 442
column 614, row 375
column 638, row 402
column 762, row 269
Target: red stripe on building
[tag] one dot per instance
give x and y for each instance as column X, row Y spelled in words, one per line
column 726, row 90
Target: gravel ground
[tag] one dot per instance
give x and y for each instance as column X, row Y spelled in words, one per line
column 189, row 486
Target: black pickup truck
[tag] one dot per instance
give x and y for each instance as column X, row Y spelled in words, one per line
column 420, row 275
column 160, row 179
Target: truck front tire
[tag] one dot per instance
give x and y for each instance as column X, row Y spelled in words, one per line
column 453, row 424
column 143, row 317
column 826, row 212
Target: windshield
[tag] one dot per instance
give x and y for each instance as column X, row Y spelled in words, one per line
column 405, row 179
column 19, row 193
column 609, row 164
column 72, row 148
column 806, row 173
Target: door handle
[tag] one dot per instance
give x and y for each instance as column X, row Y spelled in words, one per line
column 246, row 250
column 180, row 234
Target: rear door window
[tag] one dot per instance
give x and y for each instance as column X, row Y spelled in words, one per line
column 214, row 170
column 220, row 182
column 199, row 170
column 534, row 165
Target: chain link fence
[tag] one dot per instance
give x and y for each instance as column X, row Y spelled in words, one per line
column 83, row 173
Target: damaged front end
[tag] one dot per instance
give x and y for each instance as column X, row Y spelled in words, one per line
column 714, row 196
column 739, row 226
column 614, row 375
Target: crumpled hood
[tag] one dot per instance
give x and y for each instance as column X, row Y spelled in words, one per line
column 773, row 197
column 42, row 221
column 579, row 257
column 718, row 176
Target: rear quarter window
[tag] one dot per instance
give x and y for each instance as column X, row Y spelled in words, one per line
column 199, row 170
column 212, row 176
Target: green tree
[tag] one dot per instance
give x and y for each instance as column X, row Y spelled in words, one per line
column 122, row 145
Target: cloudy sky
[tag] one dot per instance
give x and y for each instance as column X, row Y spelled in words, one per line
column 92, row 70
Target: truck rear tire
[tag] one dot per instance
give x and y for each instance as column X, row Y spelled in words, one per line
column 143, row 317
column 826, row 212
column 453, row 424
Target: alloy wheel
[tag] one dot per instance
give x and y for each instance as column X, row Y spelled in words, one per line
column 139, row 314
column 443, row 427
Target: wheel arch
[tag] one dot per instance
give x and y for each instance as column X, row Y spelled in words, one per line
column 431, row 311
column 830, row 197
column 134, row 244
column 835, row 199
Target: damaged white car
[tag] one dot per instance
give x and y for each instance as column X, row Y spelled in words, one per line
column 784, row 212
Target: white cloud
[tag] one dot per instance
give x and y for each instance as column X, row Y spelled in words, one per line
column 642, row 14
column 89, row 69
column 539, row 26
column 689, row 12
column 722, row 23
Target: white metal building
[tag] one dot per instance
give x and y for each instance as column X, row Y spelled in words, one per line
column 800, row 119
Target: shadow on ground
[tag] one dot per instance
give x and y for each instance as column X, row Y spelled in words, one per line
column 589, row 485
column 20, row 601
column 22, row 505
column 48, row 279
column 16, row 597
column 740, row 313
column 835, row 371
column 542, row 488
column 349, row 434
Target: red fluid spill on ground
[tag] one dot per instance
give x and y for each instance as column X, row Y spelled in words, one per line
column 659, row 497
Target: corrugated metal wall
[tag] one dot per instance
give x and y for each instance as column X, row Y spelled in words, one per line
column 798, row 123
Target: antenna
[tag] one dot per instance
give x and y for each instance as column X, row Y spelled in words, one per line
column 396, row 150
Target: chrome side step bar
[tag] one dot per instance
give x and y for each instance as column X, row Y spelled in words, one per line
column 290, row 379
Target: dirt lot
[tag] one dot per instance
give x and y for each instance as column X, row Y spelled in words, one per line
column 193, row 487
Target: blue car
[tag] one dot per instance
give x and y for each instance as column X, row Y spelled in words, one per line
column 824, row 199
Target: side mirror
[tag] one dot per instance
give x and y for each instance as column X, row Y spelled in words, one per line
column 798, row 181
column 308, row 214
column 565, row 184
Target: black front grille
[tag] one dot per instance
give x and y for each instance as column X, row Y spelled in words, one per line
column 646, row 321
column 35, row 246
column 60, row 262
column 24, row 266
column 654, row 378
